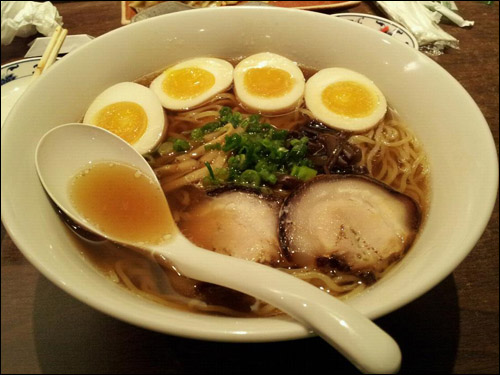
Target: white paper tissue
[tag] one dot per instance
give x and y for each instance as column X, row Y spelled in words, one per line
column 422, row 23
column 25, row 18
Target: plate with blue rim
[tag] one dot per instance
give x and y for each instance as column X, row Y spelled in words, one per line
column 16, row 77
column 381, row 24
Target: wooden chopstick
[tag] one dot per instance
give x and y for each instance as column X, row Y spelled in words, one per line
column 53, row 53
column 50, row 53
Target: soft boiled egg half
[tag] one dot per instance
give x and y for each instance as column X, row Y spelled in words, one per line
column 268, row 83
column 345, row 100
column 130, row 111
column 193, row 82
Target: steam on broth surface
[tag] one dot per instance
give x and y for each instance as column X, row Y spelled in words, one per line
column 231, row 179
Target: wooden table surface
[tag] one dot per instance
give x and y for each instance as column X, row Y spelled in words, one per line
column 451, row 329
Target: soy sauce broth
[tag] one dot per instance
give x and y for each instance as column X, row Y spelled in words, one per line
column 122, row 202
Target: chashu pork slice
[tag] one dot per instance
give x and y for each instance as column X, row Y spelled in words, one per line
column 347, row 222
column 239, row 223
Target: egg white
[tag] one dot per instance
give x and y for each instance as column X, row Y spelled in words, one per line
column 222, row 71
column 322, row 79
column 269, row 105
column 141, row 95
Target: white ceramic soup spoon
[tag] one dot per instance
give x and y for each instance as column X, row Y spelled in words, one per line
column 65, row 151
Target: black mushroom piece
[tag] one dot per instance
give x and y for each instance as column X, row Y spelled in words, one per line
column 329, row 149
column 349, row 223
column 236, row 222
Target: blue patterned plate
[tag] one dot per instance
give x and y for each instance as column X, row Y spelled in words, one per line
column 381, row 24
column 15, row 78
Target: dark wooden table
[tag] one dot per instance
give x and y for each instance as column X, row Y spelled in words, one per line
column 451, row 329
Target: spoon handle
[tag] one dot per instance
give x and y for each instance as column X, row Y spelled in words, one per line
column 355, row 336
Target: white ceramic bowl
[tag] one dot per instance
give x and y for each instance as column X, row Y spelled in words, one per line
column 445, row 118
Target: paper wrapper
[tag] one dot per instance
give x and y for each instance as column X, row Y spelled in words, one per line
column 25, row 18
column 448, row 12
column 422, row 23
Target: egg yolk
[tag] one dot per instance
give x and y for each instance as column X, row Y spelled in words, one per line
column 348, row 98
column 187, row 83
column 127, row 120
column 268, row 82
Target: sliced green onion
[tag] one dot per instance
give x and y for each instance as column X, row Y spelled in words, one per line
column 181, row 145
column 303, row 173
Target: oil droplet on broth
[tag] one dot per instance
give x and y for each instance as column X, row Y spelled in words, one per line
column 123, row 202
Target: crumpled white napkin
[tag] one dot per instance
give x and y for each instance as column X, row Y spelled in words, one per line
column 25, row 18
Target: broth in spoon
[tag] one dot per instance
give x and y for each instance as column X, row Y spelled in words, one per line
column 122, row 202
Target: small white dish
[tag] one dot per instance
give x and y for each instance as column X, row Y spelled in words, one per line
column 15, row 78
column 383, row 25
